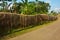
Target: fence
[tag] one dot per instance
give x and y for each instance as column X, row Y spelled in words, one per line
column 9, row 21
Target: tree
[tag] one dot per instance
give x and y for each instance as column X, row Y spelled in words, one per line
column 24, row 7
column 36, row 0
column 32, row 7
column 14, row 5
column 53, row 13
column 6, row 6
column 3, row 4
column 42, row 7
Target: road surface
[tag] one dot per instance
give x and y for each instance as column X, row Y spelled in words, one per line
column 50, row 32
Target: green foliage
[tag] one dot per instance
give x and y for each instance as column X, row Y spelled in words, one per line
column 26, row 7
column 54, row 13
column 32, row 7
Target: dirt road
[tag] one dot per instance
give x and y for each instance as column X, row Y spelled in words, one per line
column 50, row 32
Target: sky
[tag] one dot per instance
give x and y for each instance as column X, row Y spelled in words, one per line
column 55, row 4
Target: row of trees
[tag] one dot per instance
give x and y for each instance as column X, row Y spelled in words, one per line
column 29, row 7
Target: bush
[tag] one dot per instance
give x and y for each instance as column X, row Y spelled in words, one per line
column 44, row 17
column 52, row 18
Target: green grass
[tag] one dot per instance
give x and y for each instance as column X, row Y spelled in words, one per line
column 26, row 30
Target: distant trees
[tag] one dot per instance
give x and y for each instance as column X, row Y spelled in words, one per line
column 42, row 7
column 14, row 5
column 32, row 7
column 4, row 4
column 58, row 12
column 29, row 7
column 53, row 13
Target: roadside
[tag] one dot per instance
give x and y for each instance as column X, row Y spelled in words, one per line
column 48, row 32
